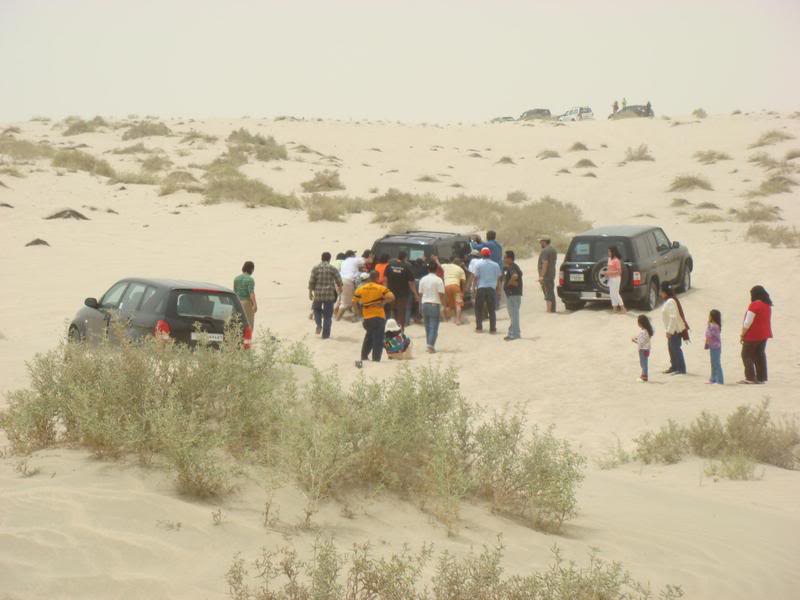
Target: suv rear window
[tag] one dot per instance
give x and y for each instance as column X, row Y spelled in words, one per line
column 414, row 251
column 205, row 304
column 594, row 249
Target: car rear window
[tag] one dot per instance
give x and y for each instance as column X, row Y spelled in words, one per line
column 594, row 249
column 414, row 251
column 205, row 304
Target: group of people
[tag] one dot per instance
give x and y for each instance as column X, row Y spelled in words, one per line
column 386, row 294
column 615, row 107
column 756, row 330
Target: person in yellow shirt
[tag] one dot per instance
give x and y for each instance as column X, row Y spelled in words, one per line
column 373, row 298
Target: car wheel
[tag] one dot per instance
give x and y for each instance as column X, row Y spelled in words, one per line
column 577, row 305
column 74, row 335
column 686, row 280
column 651, row 301
column 600, row 276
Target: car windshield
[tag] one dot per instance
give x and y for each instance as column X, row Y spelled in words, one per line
column 414, row 251
column 594, row 249
column 219, row 306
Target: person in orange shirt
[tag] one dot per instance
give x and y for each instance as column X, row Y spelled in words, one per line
column 380, row 267
column 373, row 298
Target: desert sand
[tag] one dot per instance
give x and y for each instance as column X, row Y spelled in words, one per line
column 83, row 528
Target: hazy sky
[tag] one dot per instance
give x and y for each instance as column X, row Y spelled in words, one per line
column 405, row 59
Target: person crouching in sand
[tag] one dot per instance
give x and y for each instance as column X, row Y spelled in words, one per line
column 396, row 343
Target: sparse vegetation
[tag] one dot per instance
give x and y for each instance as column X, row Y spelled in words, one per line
column 735, row 467
column 138, row 148
column 12, row 171
column 146, row 129
column 776, row 236
column 395, row 206
column 323, row 181
column 263, row 148
column 506, row 160
column 773, row 136
column 360, row 575
column 80, row 126
column 584, row 163
column 332, row 208
column 547, row 154
column 757, row 212
column 156, row 163
column 706, row 218
column 76, row 160
column 180, row 180
column 774, row 184
column 685, row 183
column 707, row 206
column 639, row 153
column 24, row 149
column 134, row 178
column 427, row 179
column 699, row 113
column 225, row 183
column 517, row 197
column 792, row 154
column 195, row 136
column 578, row 147
column 709, row 157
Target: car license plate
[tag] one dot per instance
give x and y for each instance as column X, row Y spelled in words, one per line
column 211, row 337
column 576, row 277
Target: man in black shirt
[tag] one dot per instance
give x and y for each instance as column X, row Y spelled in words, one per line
column 400, row 280
column 512, row 286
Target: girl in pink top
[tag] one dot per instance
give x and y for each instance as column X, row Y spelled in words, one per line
column 614, row 273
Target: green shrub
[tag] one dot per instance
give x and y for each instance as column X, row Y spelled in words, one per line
column 323, row 181
column 639, row 153
column 736, row 467
column 668, row 445
column 81, row 161
column 146, row 129
column 689, row 182
column 709, row 157
column 773, row 136
column 779, row 235
column 706, row 436
column 80, row 126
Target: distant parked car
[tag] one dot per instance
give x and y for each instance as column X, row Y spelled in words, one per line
column 536, row 113
column 578, row 113
column 503, row 119
column 184, row 311
column 632, row 112
column 648, row 260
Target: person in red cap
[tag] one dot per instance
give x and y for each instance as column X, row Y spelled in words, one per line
column 488, row 282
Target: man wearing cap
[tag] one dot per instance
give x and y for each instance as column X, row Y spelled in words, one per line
column 547, row 272
column 373, row 298
column 487, row 286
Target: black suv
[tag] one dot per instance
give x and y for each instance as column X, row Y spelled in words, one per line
column 423, row 245
column 536, row 113
column 184, row 311
column 648, row 259
column 632, row 112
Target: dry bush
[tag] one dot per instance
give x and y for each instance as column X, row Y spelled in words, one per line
column 757, row 212
column 81, row 161
column 773, row 136
column 578, row 147
column 395, row 206
column 427, row 179
column 641, row 152
column 792, row 154
column 360, row 575
column 146, row 129
column 225, row 183
column 156, row 163
column 774, row 184
column 776, row 236
column 138, row 148
column 584, row 163
column 263, row 148
column 506, row 160
column 706, row 218
column 736, row 468
column 24, row 149
column 180, row 180
column 194, row 136
column 699, row 113
column 547, row 154
column 332, row 208
column 12, row 171
column 513, row 223
column 684, row 183
column 709, row 157
column 517, row 197
column 765, row 161
column 323, row 181
column 133, row 178
column 707, row 206
column 403, row 224
column 80, row 126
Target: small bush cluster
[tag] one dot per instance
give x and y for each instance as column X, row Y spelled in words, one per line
column 180, row 180
column 547, row 154
column 780, row 235
column 578, row 147
column 146, row 129
column 156, row 163
column 513, row 223
column 323, row 181
column 709, row 157
column 332, row 208
column 748, row 433
column 771, row 137
column 757, row 212
column 699, row 113
column 584, row 163
column 360, row 575
column 684, row 183
column 641, row 152
column 506, row 160
column 517, row 197
column 76, row 160
column 774, row 184
column 78, row 126
column 138, row 148
column 226, row 184
column 262, row 148
column 206, row 413
column 194, row 136
column 24, row 149
column 395, row 206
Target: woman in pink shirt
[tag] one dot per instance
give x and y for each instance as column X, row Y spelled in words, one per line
column 614, row 273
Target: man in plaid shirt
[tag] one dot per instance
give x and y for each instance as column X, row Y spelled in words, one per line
column 324, row 287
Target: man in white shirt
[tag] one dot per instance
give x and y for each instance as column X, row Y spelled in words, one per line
column 351, row 267
column 431, row 291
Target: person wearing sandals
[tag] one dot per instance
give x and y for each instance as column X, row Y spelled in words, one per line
column 756, row 330
column 676, row 328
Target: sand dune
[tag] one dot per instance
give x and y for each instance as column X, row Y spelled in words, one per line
column 82, row 528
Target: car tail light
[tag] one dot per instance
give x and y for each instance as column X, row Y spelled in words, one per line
column 561, row 278
column 162, row 330
column 637, row 279
column 247, row 338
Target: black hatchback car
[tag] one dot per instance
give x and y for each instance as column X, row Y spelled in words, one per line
column 184, row 311
column 648, row 259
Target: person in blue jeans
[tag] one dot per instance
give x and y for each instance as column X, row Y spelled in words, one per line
column 324, row 287
column 642, row 342
column 512, row 286
column 487, row 281
column 432, row 298
column 714, row 346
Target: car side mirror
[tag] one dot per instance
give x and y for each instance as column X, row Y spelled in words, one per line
column 676, row 244
column 92, row 303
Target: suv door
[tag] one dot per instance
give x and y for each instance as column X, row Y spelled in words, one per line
column 669, row 261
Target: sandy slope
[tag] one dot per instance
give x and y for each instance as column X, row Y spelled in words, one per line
column 87, row 529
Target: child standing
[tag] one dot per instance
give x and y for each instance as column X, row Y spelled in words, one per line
column 714, row 345
column 642, row 341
